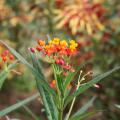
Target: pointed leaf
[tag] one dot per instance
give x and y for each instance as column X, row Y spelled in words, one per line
column 47, row 98
column 83, row 116
column 31, row 113
column 90, row 84
column 84, row 108
column 49, row 104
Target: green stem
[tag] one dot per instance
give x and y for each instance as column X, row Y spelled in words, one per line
column 60, row 114
column 61, row 109
column 72, row 104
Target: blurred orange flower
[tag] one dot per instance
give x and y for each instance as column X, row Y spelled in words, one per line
column 80, row 16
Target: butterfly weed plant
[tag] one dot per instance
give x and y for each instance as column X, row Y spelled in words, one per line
column 7, row 64
column 59, row 93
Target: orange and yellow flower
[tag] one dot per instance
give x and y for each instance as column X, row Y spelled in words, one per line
column 57, row 46
column 58, row 51
column 80, row 16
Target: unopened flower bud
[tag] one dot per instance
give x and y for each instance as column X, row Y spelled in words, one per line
column 57, row 61
column 67, row 67
column 32, row 50
column 97, row 86
column 81, row 72
column 11, row 57
column 65, row 73
column 4, row 59
column 72, row 70
column 6, row 52
column 38, row 48
column 61, row 62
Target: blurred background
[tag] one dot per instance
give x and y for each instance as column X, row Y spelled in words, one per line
column 94, row 24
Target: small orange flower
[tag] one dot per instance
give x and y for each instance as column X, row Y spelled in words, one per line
column 53, row 84
column 41, row 42
column 69, row 86
column 6, row 57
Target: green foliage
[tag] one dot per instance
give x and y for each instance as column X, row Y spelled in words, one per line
column 83, row 116
column 89, row 84
column 83, row 109
column 47, row 98
column 3, row 76
column 30, row 112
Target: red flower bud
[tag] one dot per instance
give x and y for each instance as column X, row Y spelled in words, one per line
column 61, row 62
column 38, row 48
column 65, row 73
column 32, row 50
column 6, row 52
column 11, row 57
column 57, row 61
column 67, row 67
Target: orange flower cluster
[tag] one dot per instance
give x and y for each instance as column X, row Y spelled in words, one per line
column 80, row 16
column 6, row 56
column 57, row 46
column 59, row 51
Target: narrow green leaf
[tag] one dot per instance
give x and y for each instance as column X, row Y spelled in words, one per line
column 47, row 98
column 84, row 108
column 58, row 78
column 30, row 112
column 17, row 105
column 49, row 104
column 90, row 84
column 3, row 76
column 83, row 116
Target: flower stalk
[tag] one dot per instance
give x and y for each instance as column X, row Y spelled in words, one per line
column 73, row 101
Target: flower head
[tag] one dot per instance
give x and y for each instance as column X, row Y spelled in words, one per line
column 58, row 51
column 6, row 58
column 80, row 16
